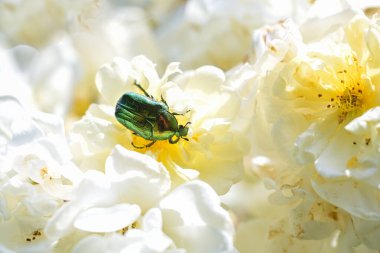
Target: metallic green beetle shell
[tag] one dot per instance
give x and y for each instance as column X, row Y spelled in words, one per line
column 148, row 118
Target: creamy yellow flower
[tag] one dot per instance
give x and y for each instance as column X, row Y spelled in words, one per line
column 204, row 97
column 314, row 130
column 130, row 207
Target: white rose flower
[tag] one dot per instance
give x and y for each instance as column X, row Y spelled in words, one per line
column 130, row 204
column 216, row 142
column 315, row 121
column 36, row 175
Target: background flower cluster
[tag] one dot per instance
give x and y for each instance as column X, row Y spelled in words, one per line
column 282, row 102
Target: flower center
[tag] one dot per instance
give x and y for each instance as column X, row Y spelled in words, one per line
column 347, row 90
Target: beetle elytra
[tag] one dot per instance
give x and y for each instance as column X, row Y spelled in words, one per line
column 149, row 118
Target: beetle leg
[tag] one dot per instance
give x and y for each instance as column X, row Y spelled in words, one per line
column 146, row 146
column 136, row 146
column 171, row 141
column 143, row 90
column 150, row 144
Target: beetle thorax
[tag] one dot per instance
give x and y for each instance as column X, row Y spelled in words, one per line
column 166, row 122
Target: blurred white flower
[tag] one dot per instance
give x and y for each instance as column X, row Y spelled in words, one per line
column 219, row 32
column 36, row 175
column 14, row 83
column 205, row 97
column 44, row 79
column 53, row 57
column 27, row 22
column 131, row 205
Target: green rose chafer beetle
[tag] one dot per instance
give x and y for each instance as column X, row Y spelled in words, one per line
column 149, row 118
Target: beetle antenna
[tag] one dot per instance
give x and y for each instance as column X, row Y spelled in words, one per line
column 143, row 90
column 164, row 101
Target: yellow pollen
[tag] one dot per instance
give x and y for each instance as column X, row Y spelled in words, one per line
column 44, row 172
column 125, row 229
column 34, row 236
column 352, row 163
column 347, row 91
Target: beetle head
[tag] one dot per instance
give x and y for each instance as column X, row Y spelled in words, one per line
column 183, row 130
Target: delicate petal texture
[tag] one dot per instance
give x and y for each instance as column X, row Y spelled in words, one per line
column 131, row 204
column 316, row 129
column 152, row 220
column 36, row 175
column 363, row 202
column 17, row 125
column 368, row 232
column 96, row 243
column 227, row 22
column 198, row 223
column 107, row 219
column 130, row 171
column 354, row 154
column 116, row 75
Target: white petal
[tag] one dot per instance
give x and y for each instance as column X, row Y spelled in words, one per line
column 357, row 198
column 138, row 178
column 333, row 161
column 314, row 29
column 49, row 123
column 171, row 69
column 194, row 219
column 124, row 163
column 313, row 141
column 16, row 124
column 209, row 75
column 152, row 220
column 61, row 222
column 361, row 124
column 146, row 69
column 111, row 80
column 107, row 219
column 100, row 244
column 41, row 205
column 148, row 241
column 94, row 189
column 368, row 231
column 93, row 135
